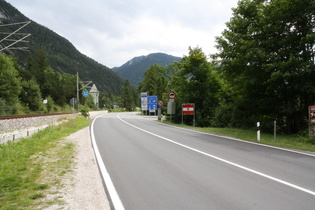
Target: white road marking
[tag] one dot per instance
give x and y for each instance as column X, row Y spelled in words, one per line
column 247, row 142
column 109, row 183
column 225, row 161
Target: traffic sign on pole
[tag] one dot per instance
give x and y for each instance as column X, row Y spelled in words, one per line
column 160, row 103
column 152, row 103
column 85, row 93
column 188, row 109
column 73, row 101
column 144, row 101
column 171, row 95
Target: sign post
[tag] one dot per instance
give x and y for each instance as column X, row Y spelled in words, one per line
column 73, row 101
column 152, row 103
column 171, row 106
column 144, row 102
column 160, row 104
column 188, row 109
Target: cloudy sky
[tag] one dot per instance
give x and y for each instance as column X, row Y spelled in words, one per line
column 114, row 31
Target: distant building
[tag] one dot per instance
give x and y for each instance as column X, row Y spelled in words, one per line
column 95, row 93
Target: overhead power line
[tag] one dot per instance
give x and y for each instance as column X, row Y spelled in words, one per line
column 10, row 41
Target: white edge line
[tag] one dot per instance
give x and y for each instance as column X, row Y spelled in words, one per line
column 108, row 181
column 244, row 141
column 225, row 161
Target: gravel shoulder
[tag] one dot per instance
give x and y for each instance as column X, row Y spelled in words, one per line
column 83, row 188
column 88, row 190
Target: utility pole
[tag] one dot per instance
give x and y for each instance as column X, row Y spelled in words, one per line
column 87, row 83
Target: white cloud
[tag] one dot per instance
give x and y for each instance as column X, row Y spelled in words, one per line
column 114, row 31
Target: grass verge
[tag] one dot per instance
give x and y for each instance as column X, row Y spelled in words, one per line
column 286, row 141
column 34, row 166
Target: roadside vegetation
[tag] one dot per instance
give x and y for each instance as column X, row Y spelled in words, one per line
column 33, row 168
column 292, row 141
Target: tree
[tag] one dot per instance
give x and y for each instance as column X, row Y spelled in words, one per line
column 195, row 82
column 267, row 57
column 60, row 87
column 37, row 65
column 89, row 102
column 9, row 84
column 66, row 88
column 155, row 81
column 127, row 96
column 107, row 100
column 30, row 95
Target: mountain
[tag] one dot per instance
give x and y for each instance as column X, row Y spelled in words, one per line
column 62, row 55
column 133, row 70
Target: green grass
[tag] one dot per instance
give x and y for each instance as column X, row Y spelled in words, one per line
column 32, row 166
column 286, row 141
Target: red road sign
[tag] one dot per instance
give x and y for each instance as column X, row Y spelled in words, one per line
column 160, row 103
column 312, row 114
column 188, row 108
column 171, row 95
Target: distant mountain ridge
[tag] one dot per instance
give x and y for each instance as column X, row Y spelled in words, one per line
column 62, row 55
column 133, row 70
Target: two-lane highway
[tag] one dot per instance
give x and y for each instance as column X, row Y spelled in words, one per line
column 156, row 166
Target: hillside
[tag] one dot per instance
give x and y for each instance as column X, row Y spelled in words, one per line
column 134, row 69
column 62, row 55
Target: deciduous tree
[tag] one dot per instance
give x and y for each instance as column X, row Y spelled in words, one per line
column 195, row 82
column 10, row 84
column 267, row 56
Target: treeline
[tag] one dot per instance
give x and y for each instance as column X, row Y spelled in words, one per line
column 194, row 79
column 264, row 70
column 37, row 88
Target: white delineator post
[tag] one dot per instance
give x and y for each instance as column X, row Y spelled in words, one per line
column 258, row 131
column 274, row 130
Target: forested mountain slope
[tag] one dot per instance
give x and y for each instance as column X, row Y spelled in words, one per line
column 133, row 70
column 62, row 55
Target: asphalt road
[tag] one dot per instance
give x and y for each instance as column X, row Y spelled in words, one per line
column 156, row 166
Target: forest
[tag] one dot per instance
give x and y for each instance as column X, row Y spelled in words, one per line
column 24, row 90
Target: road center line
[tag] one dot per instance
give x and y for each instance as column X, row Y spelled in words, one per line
column 223, row 160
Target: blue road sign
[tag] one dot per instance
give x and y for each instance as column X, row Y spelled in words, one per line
column 85, row 93
column 152, row 103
